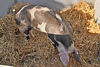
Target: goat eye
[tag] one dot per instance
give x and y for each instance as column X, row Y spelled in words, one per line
column 17, row 22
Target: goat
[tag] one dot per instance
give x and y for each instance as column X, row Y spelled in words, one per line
column 46, row 20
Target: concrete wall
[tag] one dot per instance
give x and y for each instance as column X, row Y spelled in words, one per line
column 4, row 5
column 54, row 4
column 97, row 10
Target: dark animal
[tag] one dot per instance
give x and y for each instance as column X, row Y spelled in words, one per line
column 46, row 20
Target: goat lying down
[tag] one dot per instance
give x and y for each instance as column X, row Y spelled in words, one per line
column 46, row 20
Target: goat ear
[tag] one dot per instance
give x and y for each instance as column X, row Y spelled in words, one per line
column 64, row 57
column 63, row 53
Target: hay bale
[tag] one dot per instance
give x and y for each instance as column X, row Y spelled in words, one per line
column 38, row 51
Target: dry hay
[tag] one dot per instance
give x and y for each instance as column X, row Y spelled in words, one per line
column 86, row 32
column 38, row 51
